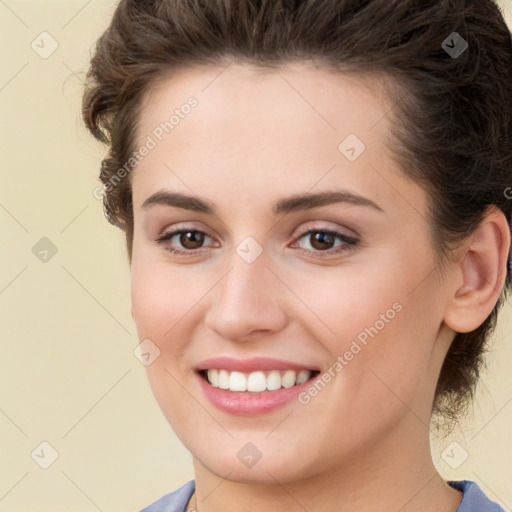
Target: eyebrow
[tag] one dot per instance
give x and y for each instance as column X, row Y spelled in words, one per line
column 299, row 202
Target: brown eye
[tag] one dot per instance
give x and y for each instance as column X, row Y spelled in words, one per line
column 183, row 242
column 321, row 240
column 191, row 239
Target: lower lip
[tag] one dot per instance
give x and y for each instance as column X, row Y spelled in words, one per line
column 251, row 404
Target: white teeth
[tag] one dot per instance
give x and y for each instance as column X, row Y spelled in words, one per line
column 223, row 379
column 258, row 381
column 237, row 382
column 213, row 377
column 303, row 376
column 288, row 379
column 273, row 380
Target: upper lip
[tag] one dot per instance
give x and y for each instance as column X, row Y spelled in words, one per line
column 250, row 365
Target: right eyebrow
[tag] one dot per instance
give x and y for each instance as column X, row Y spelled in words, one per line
column 177, row 200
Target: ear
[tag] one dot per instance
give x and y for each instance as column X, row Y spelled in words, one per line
column 480, row 273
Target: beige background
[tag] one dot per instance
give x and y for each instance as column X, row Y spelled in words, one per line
column 68, row 373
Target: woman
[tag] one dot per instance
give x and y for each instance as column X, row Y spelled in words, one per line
column 314, row 200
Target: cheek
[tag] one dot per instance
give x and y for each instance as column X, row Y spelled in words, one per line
column 350, row 304
column 161, row 297
column 160, row 301
column 380, row 326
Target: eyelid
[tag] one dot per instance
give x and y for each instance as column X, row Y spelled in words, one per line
column 323, row 226
column 184, row 227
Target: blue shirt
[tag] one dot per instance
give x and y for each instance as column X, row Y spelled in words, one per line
column 473, row 500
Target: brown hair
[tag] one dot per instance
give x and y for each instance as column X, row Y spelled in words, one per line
column 452, row 115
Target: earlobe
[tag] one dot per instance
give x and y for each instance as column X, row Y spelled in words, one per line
column 481, row 273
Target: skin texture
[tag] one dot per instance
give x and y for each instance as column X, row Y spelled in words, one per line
column 363, row 442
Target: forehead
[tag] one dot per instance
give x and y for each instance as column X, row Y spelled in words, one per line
column 285, row 128
column 249, row 94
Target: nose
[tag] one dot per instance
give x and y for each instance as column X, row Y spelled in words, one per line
column 248, row 302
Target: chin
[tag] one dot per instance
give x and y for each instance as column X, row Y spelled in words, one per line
column 234, row 463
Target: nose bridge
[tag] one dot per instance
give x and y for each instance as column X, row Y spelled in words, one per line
column 247, row 298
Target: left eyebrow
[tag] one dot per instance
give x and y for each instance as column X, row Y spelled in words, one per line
column 299, row 202
column 302, row 202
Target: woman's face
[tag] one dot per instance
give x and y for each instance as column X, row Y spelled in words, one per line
column 279, row 279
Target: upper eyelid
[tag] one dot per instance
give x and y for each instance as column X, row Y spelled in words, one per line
column 340, row 231
column 301, row 231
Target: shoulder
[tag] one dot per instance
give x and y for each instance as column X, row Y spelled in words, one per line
column 474, row 499
column 175, row 501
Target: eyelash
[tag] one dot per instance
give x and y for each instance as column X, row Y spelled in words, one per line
column 348, row 242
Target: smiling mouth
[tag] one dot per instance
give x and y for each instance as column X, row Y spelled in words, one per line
column 258, row 381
